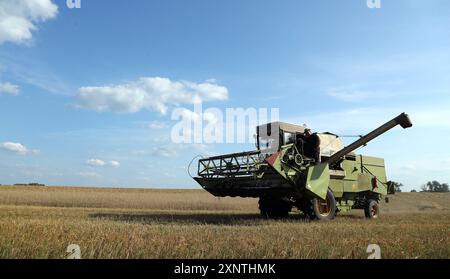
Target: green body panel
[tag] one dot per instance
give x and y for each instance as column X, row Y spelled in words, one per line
column 318, row 180
column 376, row 168
column 278, row 162
column 352, row 168
column 350, row 186
column 337, row 186
column 361, row 172
column 364, row 182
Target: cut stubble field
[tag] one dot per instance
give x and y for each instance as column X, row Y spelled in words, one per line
column 40, row 222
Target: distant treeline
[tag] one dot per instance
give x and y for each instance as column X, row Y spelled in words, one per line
column 434, row 186
column 28, row 184
column 431, row 186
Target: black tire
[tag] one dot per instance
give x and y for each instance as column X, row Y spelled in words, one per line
column 275, row 208
column 372, row 209
column 318, row 209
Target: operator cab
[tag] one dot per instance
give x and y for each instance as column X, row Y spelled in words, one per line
column 272, row 136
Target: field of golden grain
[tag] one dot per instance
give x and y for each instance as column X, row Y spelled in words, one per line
column 40, row 222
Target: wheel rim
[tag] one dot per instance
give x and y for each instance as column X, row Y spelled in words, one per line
column 324, row 206
column 374, row 211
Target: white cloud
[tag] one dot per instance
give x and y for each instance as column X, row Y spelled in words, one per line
column 101, row 163
column 152, row 93
column 157, row 125
column 18, row 18
column 166, row 151
column 95, row 163
column 17, row 148
column 33, row 72
column 114, row 164
column 9, row 88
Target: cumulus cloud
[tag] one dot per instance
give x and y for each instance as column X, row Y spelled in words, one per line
column 101, row 163
column 114, row 164
column 166, row 151
column 95, row 163
column 152, row 93
column 19, row 18
column 17, row 148
column 9, row 88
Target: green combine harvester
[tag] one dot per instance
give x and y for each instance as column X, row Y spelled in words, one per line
column 282, row 177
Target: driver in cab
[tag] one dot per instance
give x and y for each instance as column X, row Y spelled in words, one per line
column 311, row 144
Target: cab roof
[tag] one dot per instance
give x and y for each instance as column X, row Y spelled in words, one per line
column 287, row 127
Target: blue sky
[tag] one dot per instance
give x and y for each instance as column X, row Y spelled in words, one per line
column 81, row 102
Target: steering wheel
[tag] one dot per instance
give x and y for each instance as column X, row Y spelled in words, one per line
column 298, row 159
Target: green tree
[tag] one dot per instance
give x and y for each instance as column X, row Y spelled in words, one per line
column 435, row 186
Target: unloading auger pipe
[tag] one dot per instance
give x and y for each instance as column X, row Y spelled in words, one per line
column 402, row 120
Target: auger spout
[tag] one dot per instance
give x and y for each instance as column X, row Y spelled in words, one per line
column 402, row 120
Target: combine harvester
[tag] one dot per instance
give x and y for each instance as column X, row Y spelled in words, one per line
column 282, row 177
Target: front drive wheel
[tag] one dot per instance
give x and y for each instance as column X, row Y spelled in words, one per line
column 319, row 209
column 372, row 209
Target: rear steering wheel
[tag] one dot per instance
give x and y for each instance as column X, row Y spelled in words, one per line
column 298, row 159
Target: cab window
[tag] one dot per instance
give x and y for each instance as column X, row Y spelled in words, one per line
column 288, row 138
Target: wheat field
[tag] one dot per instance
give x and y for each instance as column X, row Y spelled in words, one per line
column 40, row 222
